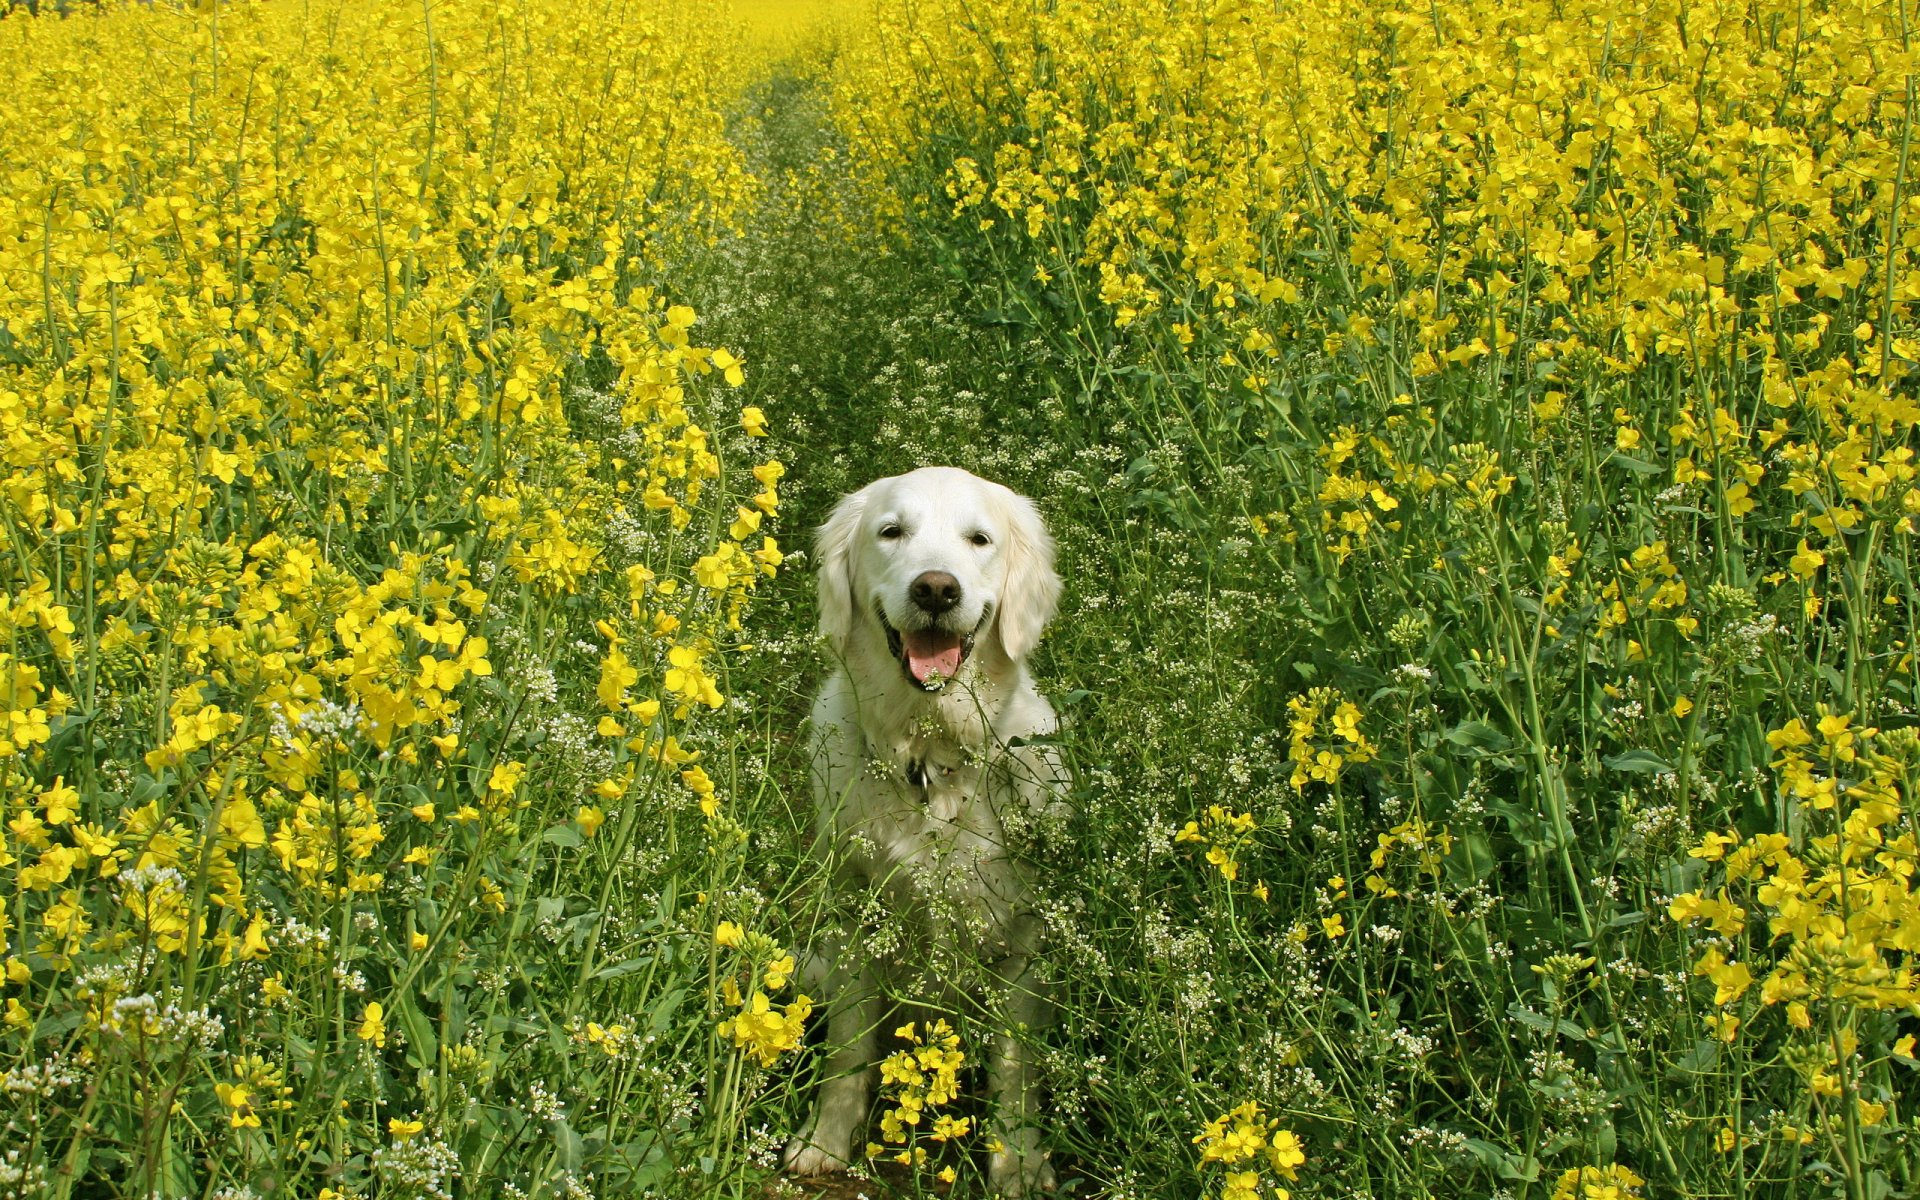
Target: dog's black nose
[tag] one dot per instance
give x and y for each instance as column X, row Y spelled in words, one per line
column 935, row 591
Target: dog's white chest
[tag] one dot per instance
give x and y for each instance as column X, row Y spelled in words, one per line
column 935, row 843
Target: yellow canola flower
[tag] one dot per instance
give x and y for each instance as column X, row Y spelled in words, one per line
column 916, row 1081
column 238, row 1099
column 254, row 943
column 730, row 368
column 1246, row 1137
column 766, row 1032
column 1324, row 727
column 1612, row 1182
column 1225, row 834
column 505, row 778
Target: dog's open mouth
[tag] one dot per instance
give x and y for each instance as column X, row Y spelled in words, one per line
column 930, row 657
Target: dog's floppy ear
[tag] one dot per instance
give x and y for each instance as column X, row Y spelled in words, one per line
column 1032, row 589
column 833, row 543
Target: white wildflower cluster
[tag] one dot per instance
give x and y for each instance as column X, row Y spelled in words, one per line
column 1569, row 1091
column 764, row 1146
column 574, row 740
column 1414, row 1046
column 675, row 1094
column 349, row 977
column 1749, row 640
column 38, row 1079
column 540, row 682
column 632, row 537
column 323, row 720
column 421, row 1167
column 296, row 936
column 116, row 776
column 1070, row 932
column 104, row 979
column 22, row 1177
column 148, row 1016
column 1197, row 994
column 543, row 1105
column 141, row 881
column 1440, row 1141
column 1656, row 828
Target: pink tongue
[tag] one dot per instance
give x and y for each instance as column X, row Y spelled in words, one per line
column 930, row 650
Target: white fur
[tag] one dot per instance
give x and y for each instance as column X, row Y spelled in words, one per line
column 916, row 789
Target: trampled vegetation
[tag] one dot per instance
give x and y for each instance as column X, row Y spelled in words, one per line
column 1480, row 438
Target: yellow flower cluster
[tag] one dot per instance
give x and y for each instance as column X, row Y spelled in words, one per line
column 1412, row 842
column 1246, row 1139
column 757, row 1026
column 1611, row 1182
column 1354, row 504
column 615, row 1039
column 262, row 1085
column 1842, row 917
column 922, row 1076
column 1225, row 834
column 1325, row 737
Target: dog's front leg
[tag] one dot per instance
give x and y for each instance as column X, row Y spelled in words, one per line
column 1019, row 1167
column 839, row 1118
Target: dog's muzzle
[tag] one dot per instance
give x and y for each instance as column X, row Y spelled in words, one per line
column 933, row 656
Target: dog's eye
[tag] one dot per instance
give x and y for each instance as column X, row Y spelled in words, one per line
column 890, row 531
column 979, row 538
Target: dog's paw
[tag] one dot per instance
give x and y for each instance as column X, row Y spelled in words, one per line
column 1015, row 1176
column 805, row 1158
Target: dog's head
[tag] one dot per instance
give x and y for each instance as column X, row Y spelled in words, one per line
column 933, row 561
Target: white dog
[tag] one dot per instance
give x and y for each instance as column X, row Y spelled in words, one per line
column 934, row 586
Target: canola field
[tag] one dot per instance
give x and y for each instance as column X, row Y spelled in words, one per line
column 1480, row 437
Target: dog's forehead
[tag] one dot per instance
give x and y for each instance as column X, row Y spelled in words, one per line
column 931, row 494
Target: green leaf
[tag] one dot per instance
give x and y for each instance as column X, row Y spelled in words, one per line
column 423, row 1049
column 624, row 967
column 661, row 1018
column 1700, row 1059
column 1531, row 1019
column 1480, row 738
column 1544, row 1023
column 1509, row 1166
column 568, row 1147
column 1472, row 859
column 1641, row 761
column 1639, row 466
